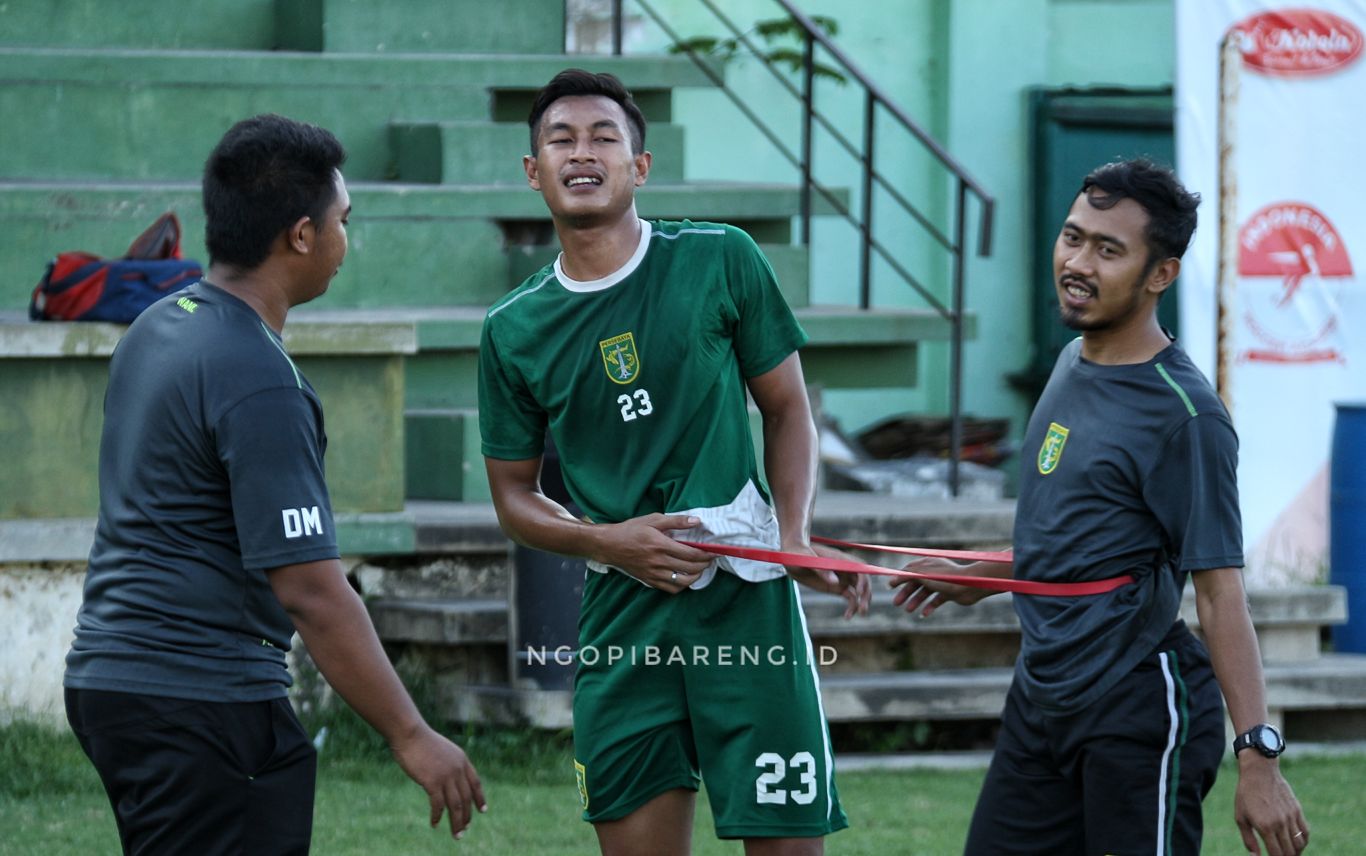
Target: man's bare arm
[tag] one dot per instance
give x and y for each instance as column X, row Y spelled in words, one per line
column 640, row 546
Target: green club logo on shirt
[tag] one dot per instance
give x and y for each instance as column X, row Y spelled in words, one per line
column 620, row 358
column 1051, row 450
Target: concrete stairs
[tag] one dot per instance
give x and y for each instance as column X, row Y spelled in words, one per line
column 430, row 99
column 885, row 667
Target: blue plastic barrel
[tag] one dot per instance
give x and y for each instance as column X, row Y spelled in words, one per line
column 1347, row 522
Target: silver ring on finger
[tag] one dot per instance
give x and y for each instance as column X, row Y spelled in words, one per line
column 674, row 576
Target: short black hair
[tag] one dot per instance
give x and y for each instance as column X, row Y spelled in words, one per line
column 1170, row 206
column 576, row 81
column 266, row 173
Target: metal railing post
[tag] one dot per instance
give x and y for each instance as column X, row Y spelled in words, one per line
column 865, row 286
column 956, row 343
column 616, row 27
column 808, row 108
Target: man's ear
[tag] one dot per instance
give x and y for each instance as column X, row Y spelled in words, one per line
column 1163, row 274
column 300, row 235
column 533, row 177
column 642, row 164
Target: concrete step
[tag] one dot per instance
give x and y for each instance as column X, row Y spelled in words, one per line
column 460, row 26
column 53, row 377
column 51, row 540
column 412, row 245
column 491, row 153
column 1289, row 622
column 441, row 621
column 445, row 26
column 1330, row 682
column 154, row 115
column 203, row 25
column 1332, row 685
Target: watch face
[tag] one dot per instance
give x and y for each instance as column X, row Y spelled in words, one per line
column 1270, row 738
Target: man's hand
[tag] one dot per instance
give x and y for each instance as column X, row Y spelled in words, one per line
column 642, row 548
column 856, row 589
column 926, row 596
column 443, row 771
column 1264, row 805
column 333, row 623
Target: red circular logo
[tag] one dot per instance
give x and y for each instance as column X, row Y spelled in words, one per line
column 1293, row 265
column 1298, row 42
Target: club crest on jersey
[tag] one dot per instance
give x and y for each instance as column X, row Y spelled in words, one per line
column 1051, row 450
column 620, row 358
column 581, row 777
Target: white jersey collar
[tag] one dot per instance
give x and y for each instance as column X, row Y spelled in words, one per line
column 612, row 278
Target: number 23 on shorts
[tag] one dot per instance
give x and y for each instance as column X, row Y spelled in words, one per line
column 775, row 770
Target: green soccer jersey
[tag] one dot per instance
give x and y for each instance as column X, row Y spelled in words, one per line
column 639, row 376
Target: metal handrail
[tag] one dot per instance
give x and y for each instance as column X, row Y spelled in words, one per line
column 874, row 97
column 868, row 244
column 814, row 32
column 826, row 125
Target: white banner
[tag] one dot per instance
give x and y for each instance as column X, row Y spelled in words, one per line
column 1271, row 303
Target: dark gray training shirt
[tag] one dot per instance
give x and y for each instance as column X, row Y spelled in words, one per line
column 1126, row 469
column 211, row 471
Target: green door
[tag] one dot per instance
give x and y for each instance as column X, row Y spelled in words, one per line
column 1074, row 131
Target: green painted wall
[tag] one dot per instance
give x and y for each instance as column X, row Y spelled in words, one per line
column 962, row 69
column 58, row 403
column 50, row 404
column 190, row 24
column 453, row 26
column 722, row 144
column 363, row 404
column 360, row 26
column 1000, row 49
column 1083, row 48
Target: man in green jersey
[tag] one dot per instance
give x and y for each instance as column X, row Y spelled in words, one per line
column 635, row 349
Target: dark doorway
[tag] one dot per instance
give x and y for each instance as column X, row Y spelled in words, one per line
column 1075, row 130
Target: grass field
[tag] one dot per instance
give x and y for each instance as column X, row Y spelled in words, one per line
column 51, row 804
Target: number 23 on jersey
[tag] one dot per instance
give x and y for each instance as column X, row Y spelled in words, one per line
column 635, row 404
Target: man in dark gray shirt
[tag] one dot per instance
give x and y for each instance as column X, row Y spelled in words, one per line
column 215, row 540
column 1113, row 728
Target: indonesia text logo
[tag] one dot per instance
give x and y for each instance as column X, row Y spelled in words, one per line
column 1292, row 267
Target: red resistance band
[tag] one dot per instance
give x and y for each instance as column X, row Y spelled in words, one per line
column 822, row 563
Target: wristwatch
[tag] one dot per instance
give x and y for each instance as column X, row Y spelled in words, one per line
column 1265, row 738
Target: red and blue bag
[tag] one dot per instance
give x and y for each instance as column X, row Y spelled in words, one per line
column 84, row 287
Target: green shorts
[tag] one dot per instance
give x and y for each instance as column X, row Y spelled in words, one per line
column 720, row 681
